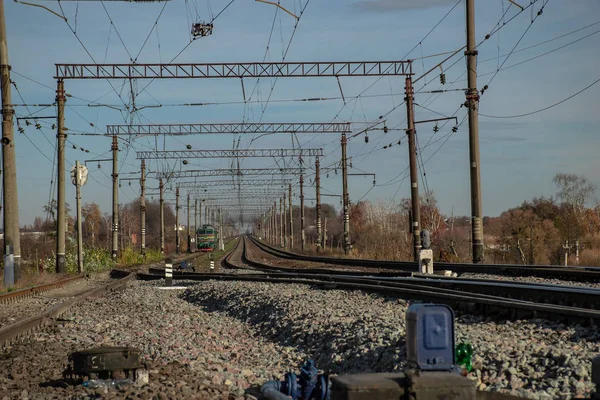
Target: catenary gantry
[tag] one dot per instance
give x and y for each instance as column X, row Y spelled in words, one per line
column 244, row 127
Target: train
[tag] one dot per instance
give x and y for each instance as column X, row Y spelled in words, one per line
column 207, row 238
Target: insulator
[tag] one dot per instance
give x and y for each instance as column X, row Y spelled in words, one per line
column 53, row 126
column 436, row 128
column 366, row 139
column 443, row 78
column 75, row 147
column 92, row 124
column 373, row 182
column 455, row 129
column 99, row 166
column 21, row 129
column 385, row 129
column 27, row 122
column 189, row 146
column 38, row 125
column 335, row 170
column 350, row 164
column 385, row 147
column 185, row 162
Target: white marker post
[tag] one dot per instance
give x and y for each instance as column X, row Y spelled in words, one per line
column 212, row 263
column 168, row 272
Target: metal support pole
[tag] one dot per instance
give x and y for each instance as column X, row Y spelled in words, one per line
column 143, row 209
column 177, row 241
column 161, row 187
column 195, row 215
column 303, row 236
column 346, row 197
column 285, row 227
column 12, row 236
column 115, row 203
column 291, row 218
column 281, row 233
column 61, row 211
column 473, row 103
column 221, row 244
column 79, row 229
column 189, row 233
column 414, row 176
column 274, row 239
column 318, row 209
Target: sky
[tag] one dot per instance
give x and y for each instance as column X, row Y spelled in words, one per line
column 542, row 60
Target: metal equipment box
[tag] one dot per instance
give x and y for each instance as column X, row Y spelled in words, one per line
column 430, row 337
column 389, row 386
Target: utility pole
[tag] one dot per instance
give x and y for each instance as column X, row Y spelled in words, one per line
column 302, row 211
column 143, row 209
column 221, row 244
column 345, row 196
column 61, row 212
column 115, row 193
column 161, row 188
column 325, row 234
column 274, row 239
column 414, row 176
column 473, row 103
column 12, row 235
column 285, row 227
column 189, row 233
column 79, row 230
column 281, row 231
column 318, row 210
column 291, row 218
column 195, row 215
column 177, row 241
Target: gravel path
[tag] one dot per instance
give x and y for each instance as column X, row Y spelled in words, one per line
column 30, row 306
column 221, row 339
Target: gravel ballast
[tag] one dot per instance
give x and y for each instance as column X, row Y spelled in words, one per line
column 223, row 339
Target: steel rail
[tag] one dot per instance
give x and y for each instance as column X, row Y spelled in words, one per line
column 20, row 328
column 583, row 274
column 28, row 292
column 471, row 302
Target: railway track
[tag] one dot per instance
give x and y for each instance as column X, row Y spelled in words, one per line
column 581, row 274
column 513, row 300
column 34, row 290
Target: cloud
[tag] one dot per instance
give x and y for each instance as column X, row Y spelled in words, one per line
column 392, row 5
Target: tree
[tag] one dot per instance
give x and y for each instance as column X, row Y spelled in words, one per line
column 574, row 191
column 92, row 220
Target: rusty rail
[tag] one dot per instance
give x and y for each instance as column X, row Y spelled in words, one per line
column 21, row 328
column 28, row 292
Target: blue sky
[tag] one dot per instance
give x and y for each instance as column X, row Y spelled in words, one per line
column 519, row 156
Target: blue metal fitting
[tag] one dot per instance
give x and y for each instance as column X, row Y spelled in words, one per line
column 308, row 386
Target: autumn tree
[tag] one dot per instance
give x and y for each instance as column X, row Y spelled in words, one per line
column 92, row 221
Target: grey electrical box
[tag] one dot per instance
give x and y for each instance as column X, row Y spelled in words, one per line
column 430, row 337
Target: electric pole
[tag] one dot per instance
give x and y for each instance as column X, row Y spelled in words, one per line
column 274, row 241
column 79, row 230
column 115, row 193
column 61, row 212
column 302, row 211
column 414, row 176
column 291, row 218
column 189, row 233
column 161, row 188
column 473, row 104
column 12, row 235
column 281, row 232
column 318, row 193
column 285, row 227
column 195, row 215
column 143, row 208
column 177, row 241
column 345, row 196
